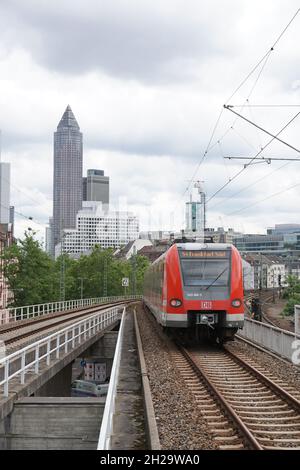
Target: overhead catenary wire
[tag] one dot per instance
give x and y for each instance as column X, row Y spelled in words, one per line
column 28, row 217
column 258, row 153
column 16, row 212
column 264, row 199
column 264, row 57
column 211, row 145
column 262, row 61
column 265, row 105
column 20, row 191
column 275, row 136
column 250, row 185
column 232, row 128
column 261, row 128
column 204, row 154
column 265, row 159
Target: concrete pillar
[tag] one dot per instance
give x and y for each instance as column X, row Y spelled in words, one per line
column 297, row 319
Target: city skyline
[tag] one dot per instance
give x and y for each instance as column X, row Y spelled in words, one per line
column 147, row 119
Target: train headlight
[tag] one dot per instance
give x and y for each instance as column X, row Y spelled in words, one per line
column 175, row 302
column 236, row 303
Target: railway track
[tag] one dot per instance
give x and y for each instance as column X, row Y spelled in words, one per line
column 243, row 408
column 12, row 333
column 266, row 299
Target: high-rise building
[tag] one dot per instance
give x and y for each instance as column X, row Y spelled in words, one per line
column 67, row 181
column 6, row 239
column 4, row 192
column 49, row 248
column 284, row 229
column 95, row 186
column 195, row 211
column 12, row 219
column 108, row 229
column 12, row 215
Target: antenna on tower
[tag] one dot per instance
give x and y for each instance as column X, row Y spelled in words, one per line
column 196, row 210
column 198, row 184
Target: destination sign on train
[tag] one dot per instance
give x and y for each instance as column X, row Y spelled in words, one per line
column 203, row 254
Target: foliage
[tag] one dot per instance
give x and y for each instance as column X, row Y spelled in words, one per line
column 293, row 286
column 289, row 307
column 34, row 277
column 29, row 272
column 292, row 294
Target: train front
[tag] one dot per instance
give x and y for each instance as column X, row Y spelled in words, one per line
column 212, row 289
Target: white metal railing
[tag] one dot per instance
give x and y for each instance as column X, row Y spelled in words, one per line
column 272, row 338
column 34, row 356
column 31, row 311
column 108, row 415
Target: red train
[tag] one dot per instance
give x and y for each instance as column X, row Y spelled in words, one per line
column 197, row 288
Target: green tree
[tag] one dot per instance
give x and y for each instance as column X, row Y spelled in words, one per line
column 139, row 264
column 34, row 277
column 290, row 305
column 293, row 286
column 292, row 294
column 29, row 271
column 69, row 277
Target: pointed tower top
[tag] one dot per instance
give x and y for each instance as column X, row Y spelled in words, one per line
column 68, row 120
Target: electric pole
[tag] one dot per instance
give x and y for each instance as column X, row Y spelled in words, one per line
column 133, row 264
column 105, row 276
column 62, row 270
column 81, row 286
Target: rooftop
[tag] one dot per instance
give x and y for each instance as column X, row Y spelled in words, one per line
column 68, row 120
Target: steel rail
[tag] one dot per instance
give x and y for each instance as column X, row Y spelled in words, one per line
column 26, row 312
column 249, row 438
column 64, row 340
column 286, row 396
column 62, row 317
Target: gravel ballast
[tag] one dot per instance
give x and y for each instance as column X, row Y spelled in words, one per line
column 179, row 422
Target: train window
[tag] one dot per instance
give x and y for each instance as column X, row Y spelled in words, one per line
column 206, row 273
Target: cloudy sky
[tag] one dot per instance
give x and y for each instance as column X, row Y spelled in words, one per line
column 146, row 81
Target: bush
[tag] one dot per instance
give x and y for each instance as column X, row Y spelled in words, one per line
column 289, row 307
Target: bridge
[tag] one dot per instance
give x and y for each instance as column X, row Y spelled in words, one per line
column 45, row 348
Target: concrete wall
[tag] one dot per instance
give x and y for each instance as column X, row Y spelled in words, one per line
column 58, row 386
column 53, row 423
column 106, row 346
column 102, row 351
column 35, row 382
column 51, row 419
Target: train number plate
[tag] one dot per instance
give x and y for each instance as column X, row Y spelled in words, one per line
column 206, row 305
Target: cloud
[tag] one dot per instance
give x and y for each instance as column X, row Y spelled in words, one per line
column 133, row 40
column 146, row 82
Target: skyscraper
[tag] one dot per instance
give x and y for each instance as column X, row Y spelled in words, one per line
column 195, row 211
column 67, row 181
column 96, row 186
column 4, row 192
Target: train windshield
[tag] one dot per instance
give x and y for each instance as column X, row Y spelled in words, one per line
column 205, row 272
